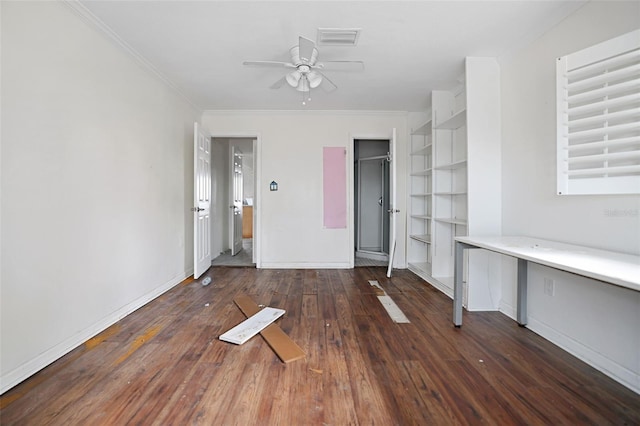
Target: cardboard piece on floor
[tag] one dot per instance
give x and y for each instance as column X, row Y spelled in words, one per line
column 389, row 305
column 252, row 326
column 393, row 310
column 286, row 349
column 377, row 289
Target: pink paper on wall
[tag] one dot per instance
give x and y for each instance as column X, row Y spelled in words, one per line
column 334, row 187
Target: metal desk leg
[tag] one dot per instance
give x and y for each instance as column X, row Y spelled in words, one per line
column 457, row 284
column 521, row 313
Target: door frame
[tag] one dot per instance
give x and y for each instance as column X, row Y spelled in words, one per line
column 257, row 181
column 381, row 254
column 350, row 190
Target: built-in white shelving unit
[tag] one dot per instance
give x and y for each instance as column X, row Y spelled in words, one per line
column 420, row 199
column 455, row 184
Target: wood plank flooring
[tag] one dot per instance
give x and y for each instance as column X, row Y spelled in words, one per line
column 164, row 364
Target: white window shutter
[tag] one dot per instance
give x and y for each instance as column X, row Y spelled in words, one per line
column 598, row 118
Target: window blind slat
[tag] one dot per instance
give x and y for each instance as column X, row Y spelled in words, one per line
column 615, row 156
column 631, row 99
column 627, row 114
column 618, row 128
column 610, row 143
column 625, row 86
column 627, row 72
column 626, row 170
column 598, row 67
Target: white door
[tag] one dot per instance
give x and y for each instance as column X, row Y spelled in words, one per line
column 202, row 201
column 237, row 196
column 393, row 211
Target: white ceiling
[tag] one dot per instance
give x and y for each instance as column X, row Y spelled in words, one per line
column 409, row 47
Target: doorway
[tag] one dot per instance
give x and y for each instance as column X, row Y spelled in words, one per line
column 371, row 202
column 233, row 197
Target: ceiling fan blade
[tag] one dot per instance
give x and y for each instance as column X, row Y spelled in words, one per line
column 278, row 84
column 306, row 47
column 340, row 65
column 326, row 84
column 268, row 64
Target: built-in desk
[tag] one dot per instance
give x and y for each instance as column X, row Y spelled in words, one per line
column 615, row 268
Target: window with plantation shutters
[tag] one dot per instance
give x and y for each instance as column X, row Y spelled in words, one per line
column 598, row 118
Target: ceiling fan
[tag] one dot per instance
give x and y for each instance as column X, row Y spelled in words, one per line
column 306, row 71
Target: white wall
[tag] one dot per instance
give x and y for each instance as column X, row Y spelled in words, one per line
column 290, row 226
column 96, row 185
column 596, row 321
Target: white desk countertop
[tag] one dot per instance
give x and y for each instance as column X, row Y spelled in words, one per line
column 616, row 268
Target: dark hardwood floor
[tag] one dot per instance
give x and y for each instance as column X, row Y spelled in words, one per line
column 164, row 364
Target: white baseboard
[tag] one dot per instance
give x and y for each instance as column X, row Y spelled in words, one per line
column 508, row 310
column 36, row 364
column 305, row 265
column 601, row 363
column 440, row 286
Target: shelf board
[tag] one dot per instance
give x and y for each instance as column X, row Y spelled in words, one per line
column 451, row 193
column 420, row 216
column 422, row 150
column 452, row 166
column 452, row 221
column 424, row 194
column 422, row 238
column 424, row 129
column 454, row 122
column 422, row 172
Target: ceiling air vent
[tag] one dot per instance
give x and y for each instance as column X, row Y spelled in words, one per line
column 338, row 36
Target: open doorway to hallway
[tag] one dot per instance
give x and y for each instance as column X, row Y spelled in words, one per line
column 371, row 202
column 233, row 201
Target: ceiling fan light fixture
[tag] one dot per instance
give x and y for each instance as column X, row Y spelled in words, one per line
column 293, row 78
column 303, row 85
column 315, row 79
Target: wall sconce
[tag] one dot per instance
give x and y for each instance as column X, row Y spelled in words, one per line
column 273, row 186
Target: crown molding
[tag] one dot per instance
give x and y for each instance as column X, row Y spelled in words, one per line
column 87, row 16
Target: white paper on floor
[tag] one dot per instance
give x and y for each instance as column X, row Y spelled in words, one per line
column 252, row 326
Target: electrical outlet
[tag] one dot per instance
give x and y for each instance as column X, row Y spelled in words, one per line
column 549, row 287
